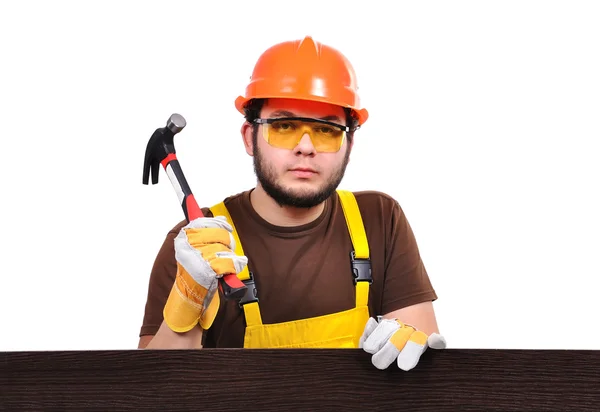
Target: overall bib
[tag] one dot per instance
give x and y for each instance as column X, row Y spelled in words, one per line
column 335, row 330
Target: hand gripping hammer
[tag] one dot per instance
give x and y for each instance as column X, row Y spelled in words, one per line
column 161, row 150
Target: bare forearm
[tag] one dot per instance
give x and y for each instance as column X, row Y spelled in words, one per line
column 421, row 316
column 165, row 338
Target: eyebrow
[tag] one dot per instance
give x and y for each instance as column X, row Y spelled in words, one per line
column 285, row 113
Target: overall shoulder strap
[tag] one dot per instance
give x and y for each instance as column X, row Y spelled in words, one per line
column 251, row 309
column 361, row 264
column 355, row 224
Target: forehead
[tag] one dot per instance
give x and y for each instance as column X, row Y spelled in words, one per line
column 302, row 108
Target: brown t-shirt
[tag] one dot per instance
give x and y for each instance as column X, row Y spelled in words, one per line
column 305, row 271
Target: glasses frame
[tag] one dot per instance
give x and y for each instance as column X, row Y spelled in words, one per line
column 305, row 119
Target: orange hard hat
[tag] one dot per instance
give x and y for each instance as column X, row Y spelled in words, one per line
column 307, row 70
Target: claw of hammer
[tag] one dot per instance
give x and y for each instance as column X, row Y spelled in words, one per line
column 160, row 146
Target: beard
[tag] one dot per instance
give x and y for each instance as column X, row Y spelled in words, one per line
column 283, row 196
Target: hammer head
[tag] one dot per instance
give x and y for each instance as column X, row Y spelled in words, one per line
column 160, row 146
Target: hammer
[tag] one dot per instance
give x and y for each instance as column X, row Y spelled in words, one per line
column 161, row 149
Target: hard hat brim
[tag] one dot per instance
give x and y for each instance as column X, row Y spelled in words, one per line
column 361, row 114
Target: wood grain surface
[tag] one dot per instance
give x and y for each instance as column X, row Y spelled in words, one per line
column 298, row 380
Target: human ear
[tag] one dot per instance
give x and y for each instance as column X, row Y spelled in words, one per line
column 246, row 131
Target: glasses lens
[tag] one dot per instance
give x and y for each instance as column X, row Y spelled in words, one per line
column 286, row 134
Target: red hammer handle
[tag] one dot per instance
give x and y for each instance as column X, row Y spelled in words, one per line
column 230, row 285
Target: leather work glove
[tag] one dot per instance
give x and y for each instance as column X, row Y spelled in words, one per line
column 204, row 252
column 392, row 340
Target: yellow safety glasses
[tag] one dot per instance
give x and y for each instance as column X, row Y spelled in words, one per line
column 286, row 133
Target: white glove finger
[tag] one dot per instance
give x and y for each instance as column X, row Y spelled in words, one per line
column 369, row 328
column 410, row 355
column 436, row 341
column 213, row 222
column 239, row 262
column 192, row 261
column 385, row 356
column 378, row 338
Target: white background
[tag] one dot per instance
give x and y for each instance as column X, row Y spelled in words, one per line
column 485, row 122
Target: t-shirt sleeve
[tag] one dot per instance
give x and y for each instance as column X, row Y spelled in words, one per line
column 162, row 277
column 406, row 279
column 161, row 281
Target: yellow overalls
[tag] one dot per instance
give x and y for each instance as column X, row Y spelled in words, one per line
column 336, row 330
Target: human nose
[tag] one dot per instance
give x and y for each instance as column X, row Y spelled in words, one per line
column 305, row 145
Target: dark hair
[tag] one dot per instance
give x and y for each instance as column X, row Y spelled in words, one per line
column 254, row 107
column 252, row 110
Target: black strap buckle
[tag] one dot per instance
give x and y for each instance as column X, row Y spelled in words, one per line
column 361, row 269
column 251, row 292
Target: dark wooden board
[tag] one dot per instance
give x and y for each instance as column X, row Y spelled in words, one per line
column 290, row 380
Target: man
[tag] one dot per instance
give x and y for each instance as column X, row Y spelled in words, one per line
column 321, row 263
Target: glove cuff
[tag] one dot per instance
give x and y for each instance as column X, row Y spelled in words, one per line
column 210, row 313
column 185, row 304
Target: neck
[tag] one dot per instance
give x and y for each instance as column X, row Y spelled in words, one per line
column 278, row 215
